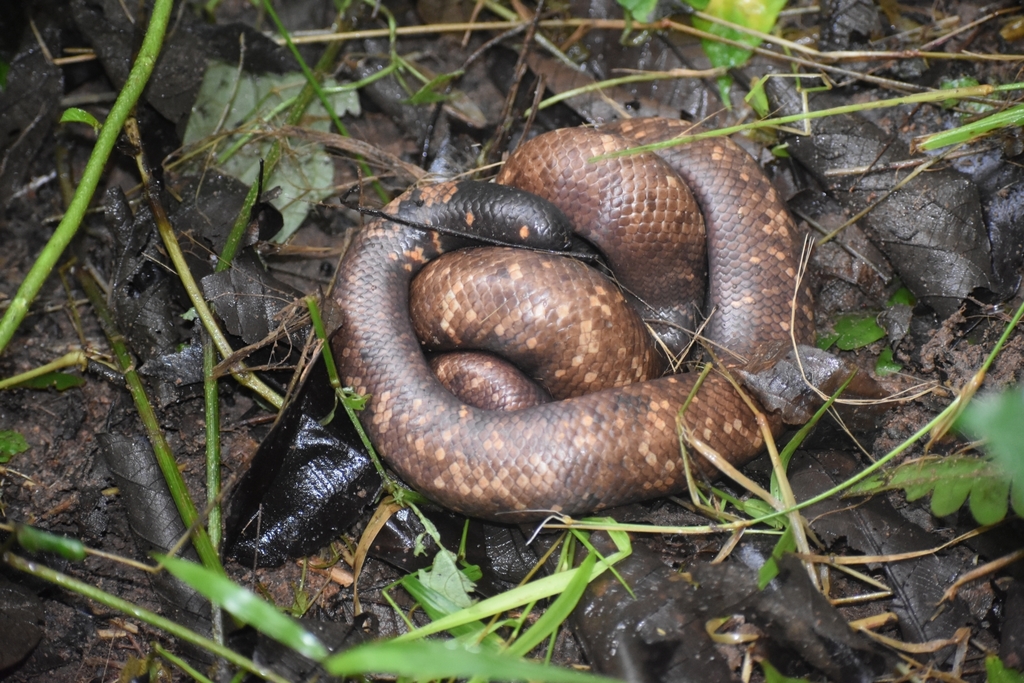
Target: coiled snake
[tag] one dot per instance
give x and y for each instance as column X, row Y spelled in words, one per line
column 601, row 449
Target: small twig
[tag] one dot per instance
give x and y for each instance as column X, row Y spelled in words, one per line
column 983, row 570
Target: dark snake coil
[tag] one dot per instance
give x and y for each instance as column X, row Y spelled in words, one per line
column 600, row 449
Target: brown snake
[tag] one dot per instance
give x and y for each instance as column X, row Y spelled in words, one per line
column 593, row 451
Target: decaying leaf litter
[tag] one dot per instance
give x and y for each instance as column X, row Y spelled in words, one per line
column 63, row 482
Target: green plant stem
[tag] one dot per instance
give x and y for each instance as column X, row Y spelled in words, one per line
column 234, row 240
column 179, row 662
column 349, row 401
column 136, row 612
column 212, row 403
column 312, row 79
column 917, row 98
column 211, row 399
column 68, row 227
column 161, row 449
column 1004, row 119
column 69, row 359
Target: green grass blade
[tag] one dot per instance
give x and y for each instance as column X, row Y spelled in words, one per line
column 424, row 660
column 1014, row 116
column 246, row 606
column 531, row 592
column 558, row 612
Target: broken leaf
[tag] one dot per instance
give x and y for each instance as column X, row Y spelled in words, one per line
column 250, row 106
column 445, row 578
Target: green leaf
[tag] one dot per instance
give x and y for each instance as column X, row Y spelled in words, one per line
column 57, row 380
column 424, row 660
column 997, row 420
column 951, row 480
column 755, row 507
column 772, row 675
column 901, row 296
column 949, row 495
column 756, row 98
column 825, row 342
column 999, row 673
column 759, row 15
column 246, row 606
column 76, row 115
column 445, row 578
column 11, row 443
column 437, row 607
column 639, row 10
column 39, row 541
column 250, row 104
column 5, row 68
column 990, row 500
column 433, row 91
column 770, row 569
column 885, row 365
column 953, row 83
column 964, row 82
column 857, row 330
column 354, row 400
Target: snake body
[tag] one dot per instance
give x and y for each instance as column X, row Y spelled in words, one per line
column 593, row 451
